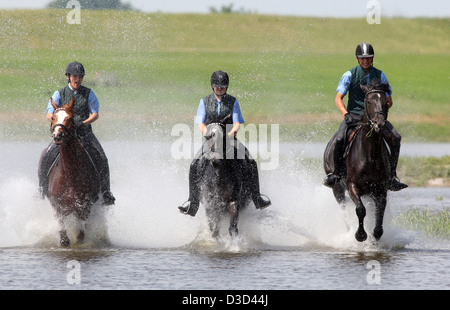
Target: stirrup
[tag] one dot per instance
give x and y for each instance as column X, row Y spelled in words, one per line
column 396, row 185
column 191, row 209
column 182, row 208
column 265, row 204
column 108, row 198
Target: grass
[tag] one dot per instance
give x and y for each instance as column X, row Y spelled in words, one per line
column 422, row 171
column 283, row 70
column 434, row 224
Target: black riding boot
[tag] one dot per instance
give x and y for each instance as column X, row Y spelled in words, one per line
column 192, row 204
column 100, row 161
column 395, row 184
column 251, row 173
column 339, row 166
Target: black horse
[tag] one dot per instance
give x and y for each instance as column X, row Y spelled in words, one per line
column 222, row 188
column 367, row 160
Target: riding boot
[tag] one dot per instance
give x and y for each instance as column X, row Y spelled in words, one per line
column 48, row 159
column 395, row 184
column 191, row 206
column 339, row 166
column 252, row 176
column 100, row 161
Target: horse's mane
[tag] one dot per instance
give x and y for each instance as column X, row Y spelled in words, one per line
column 376, row 84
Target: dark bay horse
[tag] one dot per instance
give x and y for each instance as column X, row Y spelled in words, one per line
column 221, row 184
column 74, row 182
column 367, row 164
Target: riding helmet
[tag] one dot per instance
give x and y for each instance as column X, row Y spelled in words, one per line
column 75, row 68
column 220, row 79
column 364, row 50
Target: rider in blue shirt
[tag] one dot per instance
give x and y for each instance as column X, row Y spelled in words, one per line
column 350, row 83
column 220, row 107
column 201, row 112
column 87, row 107
column 92, row 102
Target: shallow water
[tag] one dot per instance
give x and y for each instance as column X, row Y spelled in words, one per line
column 143, row 242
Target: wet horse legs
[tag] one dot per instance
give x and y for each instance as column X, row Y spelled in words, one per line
column 233, row 211
column 64, row 238
column 380, row 207
column 360, row 234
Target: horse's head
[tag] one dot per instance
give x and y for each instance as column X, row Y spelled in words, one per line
column 63, row 123
column 376, row 104
column 215, row 148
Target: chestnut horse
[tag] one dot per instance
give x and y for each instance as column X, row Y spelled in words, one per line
column 74, row 182
column 221, row 183
column 367, row 164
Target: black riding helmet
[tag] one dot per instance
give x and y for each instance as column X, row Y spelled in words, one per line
column 364, row 50
column 220, row 79
column 75, row 68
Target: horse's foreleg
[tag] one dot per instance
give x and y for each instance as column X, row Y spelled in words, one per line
column 380, row 207
column 360, row 234
column 233, row 211
column 213, row 222
column 63, row 238
column 80, row 236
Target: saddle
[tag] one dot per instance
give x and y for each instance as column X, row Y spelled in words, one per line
column 350, row 138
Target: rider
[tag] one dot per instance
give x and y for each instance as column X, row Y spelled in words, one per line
column 350, row 82
column 220, row 107
column 87, row 107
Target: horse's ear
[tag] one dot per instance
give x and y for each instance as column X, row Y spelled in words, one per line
column 53, row 103
column 364, row 88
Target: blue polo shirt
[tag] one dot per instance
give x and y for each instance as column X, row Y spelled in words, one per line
column 201, row 112
column 344, row 83
column 93, row 103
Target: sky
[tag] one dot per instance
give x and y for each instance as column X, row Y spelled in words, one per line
column 322, row 8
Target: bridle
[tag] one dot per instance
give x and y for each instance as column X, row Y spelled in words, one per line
column 366, row 110
column 227, row 144
column 66, row 132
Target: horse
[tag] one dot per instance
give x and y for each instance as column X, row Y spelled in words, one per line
column 74, row 182
column 367, row 164
column 221, row 183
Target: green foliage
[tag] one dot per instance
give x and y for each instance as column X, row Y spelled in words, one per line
column 434, row 224
column 418, row 171
column 228, row 9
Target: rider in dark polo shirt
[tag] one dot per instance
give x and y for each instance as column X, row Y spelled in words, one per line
column 350, row 82
column 87, row 108
column 220, row 107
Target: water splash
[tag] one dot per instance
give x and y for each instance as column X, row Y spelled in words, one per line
column 149, row 186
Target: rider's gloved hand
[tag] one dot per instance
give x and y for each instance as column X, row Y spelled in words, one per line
column 348, row 118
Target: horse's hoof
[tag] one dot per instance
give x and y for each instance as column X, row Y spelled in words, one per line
column 80, row 237
column 64, row 239
column 361, row 235
column 377, row 233
column 233, row 232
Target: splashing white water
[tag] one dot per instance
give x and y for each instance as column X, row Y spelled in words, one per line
column 149, row 185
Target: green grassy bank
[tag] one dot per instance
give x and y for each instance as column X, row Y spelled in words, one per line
column 284, row 70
